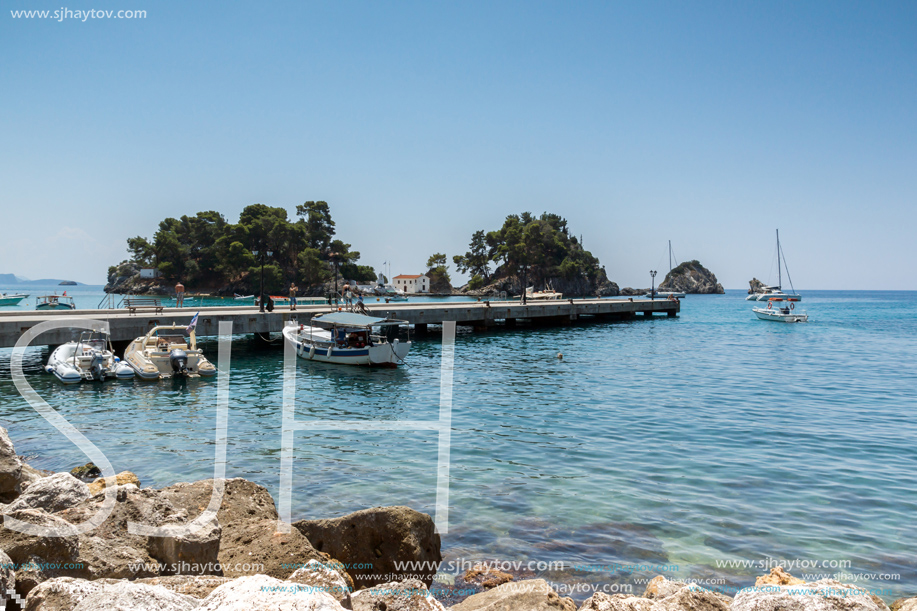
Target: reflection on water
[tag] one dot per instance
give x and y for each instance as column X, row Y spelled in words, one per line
column 687, row 441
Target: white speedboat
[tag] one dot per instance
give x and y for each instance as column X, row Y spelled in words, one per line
column 347, row 338
column 7, row 300
column 781, row 310
column 55, row 302
column 239, row 297
column 89, row 358
column 165, row 352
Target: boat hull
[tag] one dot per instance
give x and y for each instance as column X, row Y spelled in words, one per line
column 778, row 316
column 8, row 300
column 379, row 355
column 70, row 370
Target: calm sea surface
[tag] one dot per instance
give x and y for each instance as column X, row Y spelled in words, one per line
column 694, row 442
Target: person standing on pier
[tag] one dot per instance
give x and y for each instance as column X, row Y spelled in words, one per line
column 293, row 289
column 180, row 294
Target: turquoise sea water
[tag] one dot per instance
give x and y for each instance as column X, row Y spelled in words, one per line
column 693, row 442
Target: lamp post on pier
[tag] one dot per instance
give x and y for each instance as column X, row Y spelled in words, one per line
column 262, row 253
column 653, row 290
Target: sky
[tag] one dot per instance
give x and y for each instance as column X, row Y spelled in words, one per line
column 710, row 124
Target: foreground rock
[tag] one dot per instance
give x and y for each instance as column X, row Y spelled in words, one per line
column 250, row 543
column 380, row 537
column 778, row 577
column 407, row 595
column 10, row 469
column 904, row 604
column 7, row 577
column 61, row 594
column 131, row 596
column 691, row 598
column 531, row 595
column 616, row 602
column 263, row 592
column 691, row 277
column 54, row 493
column 823, row 595
column 125, row 477
column 326, row 578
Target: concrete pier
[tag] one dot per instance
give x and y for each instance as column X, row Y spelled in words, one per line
column 247, row 319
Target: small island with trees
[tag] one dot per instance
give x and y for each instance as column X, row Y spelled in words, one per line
column 208, row 252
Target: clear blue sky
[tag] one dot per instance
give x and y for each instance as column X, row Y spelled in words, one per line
column 709, row 124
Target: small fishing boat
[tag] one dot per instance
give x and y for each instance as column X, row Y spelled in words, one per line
column 8, row 300
column 55, row 302
column 239, row 297
column 348, row 338
column 780, row 309
column 165, row 352
column 90, row 358
column 548, row 294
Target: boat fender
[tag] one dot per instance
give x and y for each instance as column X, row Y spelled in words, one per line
column 312, row 351
column 792, row 306
column 328, row 353
column 770, row 305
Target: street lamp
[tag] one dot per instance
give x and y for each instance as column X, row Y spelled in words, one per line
column 261, row 293
column 333, row 257
column 653, row 290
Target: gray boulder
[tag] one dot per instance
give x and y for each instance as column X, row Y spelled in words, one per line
column 615, row 602
column 904, row 604
column 10, row 468
column 379, row 537
column 263, row 592
column 407, row 595
column 823, row 595
column 54, row 493
column 531, row 595
column 181, row 552
column 131, row 596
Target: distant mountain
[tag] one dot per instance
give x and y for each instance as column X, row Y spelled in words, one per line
column 14, row 279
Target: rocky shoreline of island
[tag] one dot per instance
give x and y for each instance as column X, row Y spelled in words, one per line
column 243, row 557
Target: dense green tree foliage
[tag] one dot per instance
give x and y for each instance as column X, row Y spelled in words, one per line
column 206, row 250
column 535, row 249
column 438, row 273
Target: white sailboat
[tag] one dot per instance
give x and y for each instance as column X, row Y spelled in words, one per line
column 767, row 292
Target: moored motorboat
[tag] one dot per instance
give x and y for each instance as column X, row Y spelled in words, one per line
column 89, row 358
column 55, row 302
column 7, row 300
column 548, row 294
column 780, row 309
column 347, row 338
column 165, row 352
column 665, row 295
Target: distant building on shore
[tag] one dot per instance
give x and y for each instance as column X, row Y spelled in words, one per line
column 150, row 272
column 412, row 283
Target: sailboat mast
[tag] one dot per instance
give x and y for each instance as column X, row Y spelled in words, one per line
column 779, row 277
column 670, row 256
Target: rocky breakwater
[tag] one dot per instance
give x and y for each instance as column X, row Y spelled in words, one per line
column 242, row 559
column 691, row 277
column 242, row 554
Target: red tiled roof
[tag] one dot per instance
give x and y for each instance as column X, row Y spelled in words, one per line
column 409, row 276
